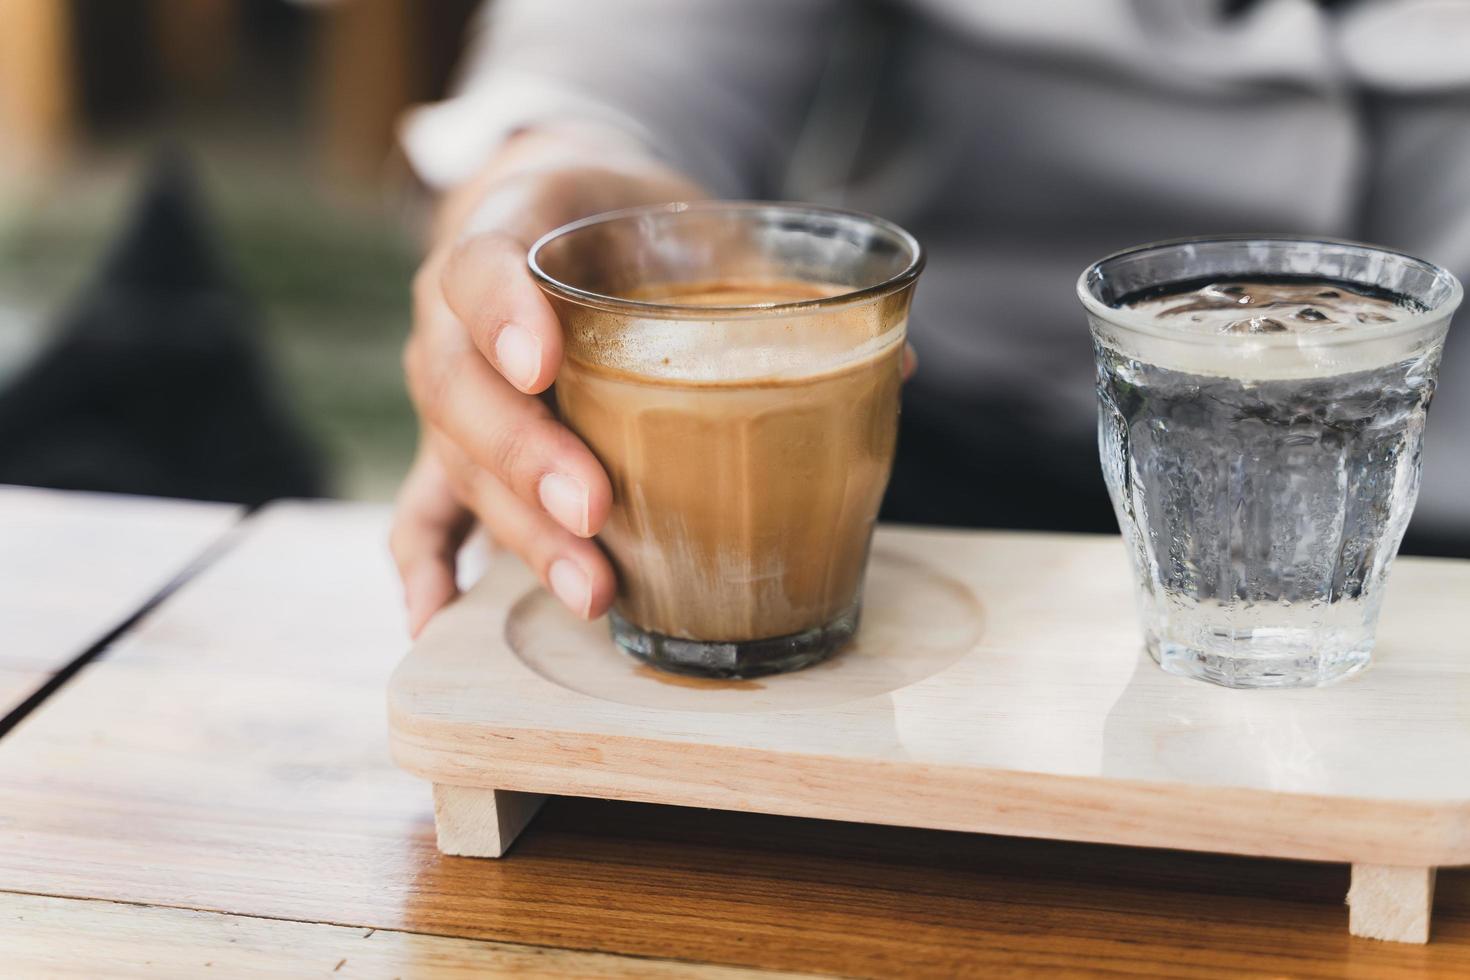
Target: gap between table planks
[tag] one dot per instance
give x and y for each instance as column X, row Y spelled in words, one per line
column 17, row 685
column 229, row 755
column 86, row 938
column 79, row 565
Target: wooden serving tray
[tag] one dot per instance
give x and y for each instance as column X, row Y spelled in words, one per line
column 998, row 686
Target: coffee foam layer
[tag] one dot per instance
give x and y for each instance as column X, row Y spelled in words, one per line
column 722, row 351
column 751, row 346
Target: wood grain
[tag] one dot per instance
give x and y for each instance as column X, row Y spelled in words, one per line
column 59, row 938
column 1391, row 903
column 1049, row 721
column 481, row 822
column 231, row 756
column 365, row 82
column 77, row 564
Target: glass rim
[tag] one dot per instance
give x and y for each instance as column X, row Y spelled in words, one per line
column 587, row 297
column 1146, row 324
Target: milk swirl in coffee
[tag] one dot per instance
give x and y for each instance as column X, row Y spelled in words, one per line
column 748, row 457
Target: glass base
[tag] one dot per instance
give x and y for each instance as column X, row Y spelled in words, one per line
column 740, row 659
column 1275, row 660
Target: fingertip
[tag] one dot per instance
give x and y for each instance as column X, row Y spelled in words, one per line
column 427, row 588
column 910, row 362
column 602, row 600
column 489, row 287
column 567, row 500
column 583, row 581
column 519, row 357
column 599, row 506
column 604, row 584
column 570, row 583
column 595, row 501
column 574, row 489
column 599, row 493
column 537, row 320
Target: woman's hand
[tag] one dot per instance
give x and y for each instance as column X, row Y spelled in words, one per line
column 485, row 344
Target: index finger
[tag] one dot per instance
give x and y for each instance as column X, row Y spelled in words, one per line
column 490, row 290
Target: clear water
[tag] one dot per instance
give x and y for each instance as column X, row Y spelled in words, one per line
column 1262, row 515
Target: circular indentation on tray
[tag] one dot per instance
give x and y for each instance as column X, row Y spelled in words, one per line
column 916, row 622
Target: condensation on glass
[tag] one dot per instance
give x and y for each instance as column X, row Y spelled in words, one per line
column 1263, row 479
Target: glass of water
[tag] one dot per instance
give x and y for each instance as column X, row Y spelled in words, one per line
column 1261, row 412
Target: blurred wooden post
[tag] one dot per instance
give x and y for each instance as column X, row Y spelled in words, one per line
column 37, row 90
column 367, row 81
column 197, row 41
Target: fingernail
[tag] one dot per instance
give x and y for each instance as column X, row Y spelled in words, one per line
column 422, row 595
column 571, row 586
column 910, row 362
column 565, row 498
column 519, row 355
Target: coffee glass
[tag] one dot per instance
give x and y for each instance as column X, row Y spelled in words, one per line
column 1263, row 480
column 735, row 367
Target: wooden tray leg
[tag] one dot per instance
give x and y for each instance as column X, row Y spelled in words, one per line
column 1393, row 903
column 481, row 822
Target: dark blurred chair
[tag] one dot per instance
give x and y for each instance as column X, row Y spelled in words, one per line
column 156, row 382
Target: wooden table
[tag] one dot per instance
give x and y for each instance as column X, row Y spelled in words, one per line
column 77, row 566
column 215, row 791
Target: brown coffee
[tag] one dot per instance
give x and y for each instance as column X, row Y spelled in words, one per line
column 748, row 456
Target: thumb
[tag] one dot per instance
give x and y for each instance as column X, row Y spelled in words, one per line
column 429, row 526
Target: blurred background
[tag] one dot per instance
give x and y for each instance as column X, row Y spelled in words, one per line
column 207, row 229
column 157, row 155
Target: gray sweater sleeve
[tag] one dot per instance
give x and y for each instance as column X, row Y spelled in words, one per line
column 1418, row 199
column 717, row 87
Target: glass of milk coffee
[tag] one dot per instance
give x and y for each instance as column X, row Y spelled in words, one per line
column 1261, row 418
column 735, row 367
